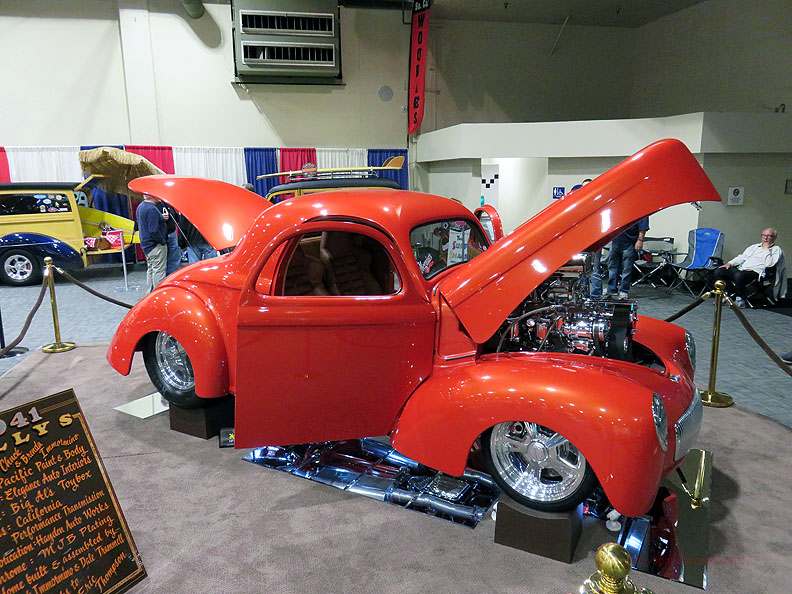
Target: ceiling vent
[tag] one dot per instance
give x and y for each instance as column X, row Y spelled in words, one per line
column 286, row 41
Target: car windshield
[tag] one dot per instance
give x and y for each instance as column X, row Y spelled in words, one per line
column 441, row 244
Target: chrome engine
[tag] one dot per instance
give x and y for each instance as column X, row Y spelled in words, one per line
column 559, row 316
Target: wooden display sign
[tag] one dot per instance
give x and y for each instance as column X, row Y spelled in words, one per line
column 61, row 528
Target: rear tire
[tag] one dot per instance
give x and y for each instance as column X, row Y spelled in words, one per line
column 170, row 370
column 537, row 467
column 19, row 267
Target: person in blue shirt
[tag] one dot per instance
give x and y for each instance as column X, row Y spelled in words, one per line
column 153, row 240
column 623, row 253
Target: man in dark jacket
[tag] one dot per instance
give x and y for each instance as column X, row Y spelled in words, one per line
column 174, row 253
column 191, row 239
column 623, row 253
column 153, row 240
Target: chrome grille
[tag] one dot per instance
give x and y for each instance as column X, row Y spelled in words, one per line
column 687, row 427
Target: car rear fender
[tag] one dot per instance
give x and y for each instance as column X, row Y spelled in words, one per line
column 186, row 317
column 601, row 409
column 41, row 246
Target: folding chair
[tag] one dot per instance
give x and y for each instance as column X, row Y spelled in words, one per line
column 768, row 289
column 653, row 264
column 705, row 248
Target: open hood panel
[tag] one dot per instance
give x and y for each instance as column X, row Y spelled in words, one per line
column 222, row 212
column 484, row 292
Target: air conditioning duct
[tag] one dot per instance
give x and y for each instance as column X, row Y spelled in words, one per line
column 287, row 41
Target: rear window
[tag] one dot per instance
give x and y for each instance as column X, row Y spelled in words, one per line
column 22, row 204
column 442, row 244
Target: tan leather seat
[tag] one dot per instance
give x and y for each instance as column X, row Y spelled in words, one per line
column 305, row 274
column 348, row 264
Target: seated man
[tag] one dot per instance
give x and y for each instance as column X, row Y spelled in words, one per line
column 749, row 266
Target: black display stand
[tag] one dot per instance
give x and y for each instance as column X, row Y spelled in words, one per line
column 551, row 535
column 204, row 422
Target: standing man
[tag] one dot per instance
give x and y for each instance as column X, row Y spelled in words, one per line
column 623, row 253
column 750, row 266
column 153, row 240
column 196, row 245
column 174, row 253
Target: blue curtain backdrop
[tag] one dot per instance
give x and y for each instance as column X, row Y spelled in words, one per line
column 376, row 157
column 259, row 161
column 113, row 203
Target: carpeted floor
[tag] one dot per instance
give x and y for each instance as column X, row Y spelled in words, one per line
column 206, row 521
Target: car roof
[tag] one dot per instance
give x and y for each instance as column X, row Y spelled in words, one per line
column 27, row 186
column 397, row 211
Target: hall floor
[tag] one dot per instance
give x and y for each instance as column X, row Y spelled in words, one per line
column 744, row 371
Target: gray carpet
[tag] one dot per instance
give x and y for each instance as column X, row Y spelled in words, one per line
column 206, row 521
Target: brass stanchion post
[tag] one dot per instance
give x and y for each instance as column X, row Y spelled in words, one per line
column 710, row 397
column 58, row 346
column 613, row 566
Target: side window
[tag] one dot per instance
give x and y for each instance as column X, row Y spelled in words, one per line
column 338, row 263
column 22, row 204
column 81, row 198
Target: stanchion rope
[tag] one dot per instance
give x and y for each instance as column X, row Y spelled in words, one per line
column 746, row 324
column 29, row 318
column 70, row 278
column 40, row 299
column 758, row 339
column 687, row 308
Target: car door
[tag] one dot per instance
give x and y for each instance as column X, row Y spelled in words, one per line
column 315, row 363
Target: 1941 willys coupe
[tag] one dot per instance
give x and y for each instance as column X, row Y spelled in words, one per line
column 385, row 312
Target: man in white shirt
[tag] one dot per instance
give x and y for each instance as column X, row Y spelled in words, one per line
column 750, row 265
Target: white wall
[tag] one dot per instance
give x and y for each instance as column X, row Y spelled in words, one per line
column 521, row 193
column 62, row 73
column 456, row 178
column 504, row 72
column 765, row 205
column 718, row 55
column 65, row 68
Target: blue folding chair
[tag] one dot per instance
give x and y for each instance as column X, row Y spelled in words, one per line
column 705, row 248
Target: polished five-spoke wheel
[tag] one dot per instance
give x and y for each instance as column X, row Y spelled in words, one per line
column 170, row 370
column 536, row 466
column 19, row 267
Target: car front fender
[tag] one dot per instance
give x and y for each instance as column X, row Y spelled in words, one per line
column 186, row 317
column 602, row 406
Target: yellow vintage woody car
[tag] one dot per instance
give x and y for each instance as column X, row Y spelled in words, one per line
column 56, row 219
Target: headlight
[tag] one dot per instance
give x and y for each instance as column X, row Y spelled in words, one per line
column 660, row 421
column 690, row 347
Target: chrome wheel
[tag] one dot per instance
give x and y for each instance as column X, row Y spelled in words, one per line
column 173, row 363
column 19, row 268
column 536, row 465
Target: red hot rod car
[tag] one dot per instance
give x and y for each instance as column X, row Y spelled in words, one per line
column 384, row 312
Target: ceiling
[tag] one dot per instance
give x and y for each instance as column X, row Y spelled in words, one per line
column 607, row 13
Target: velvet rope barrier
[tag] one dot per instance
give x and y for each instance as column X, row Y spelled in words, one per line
column 70, row 278
column 762, row 344
column 686, row 309
column 29, row 318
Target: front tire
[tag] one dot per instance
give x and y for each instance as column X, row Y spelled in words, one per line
column 170, row 370
column 19, row 267
column 537, row 466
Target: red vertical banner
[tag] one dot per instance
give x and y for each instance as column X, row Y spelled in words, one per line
column 5, row 172
column 418, row 43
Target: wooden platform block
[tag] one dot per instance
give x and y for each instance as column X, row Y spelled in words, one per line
column 551, row 535
column 203, row 422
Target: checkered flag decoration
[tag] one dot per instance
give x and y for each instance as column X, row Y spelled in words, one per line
column 489, row 184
